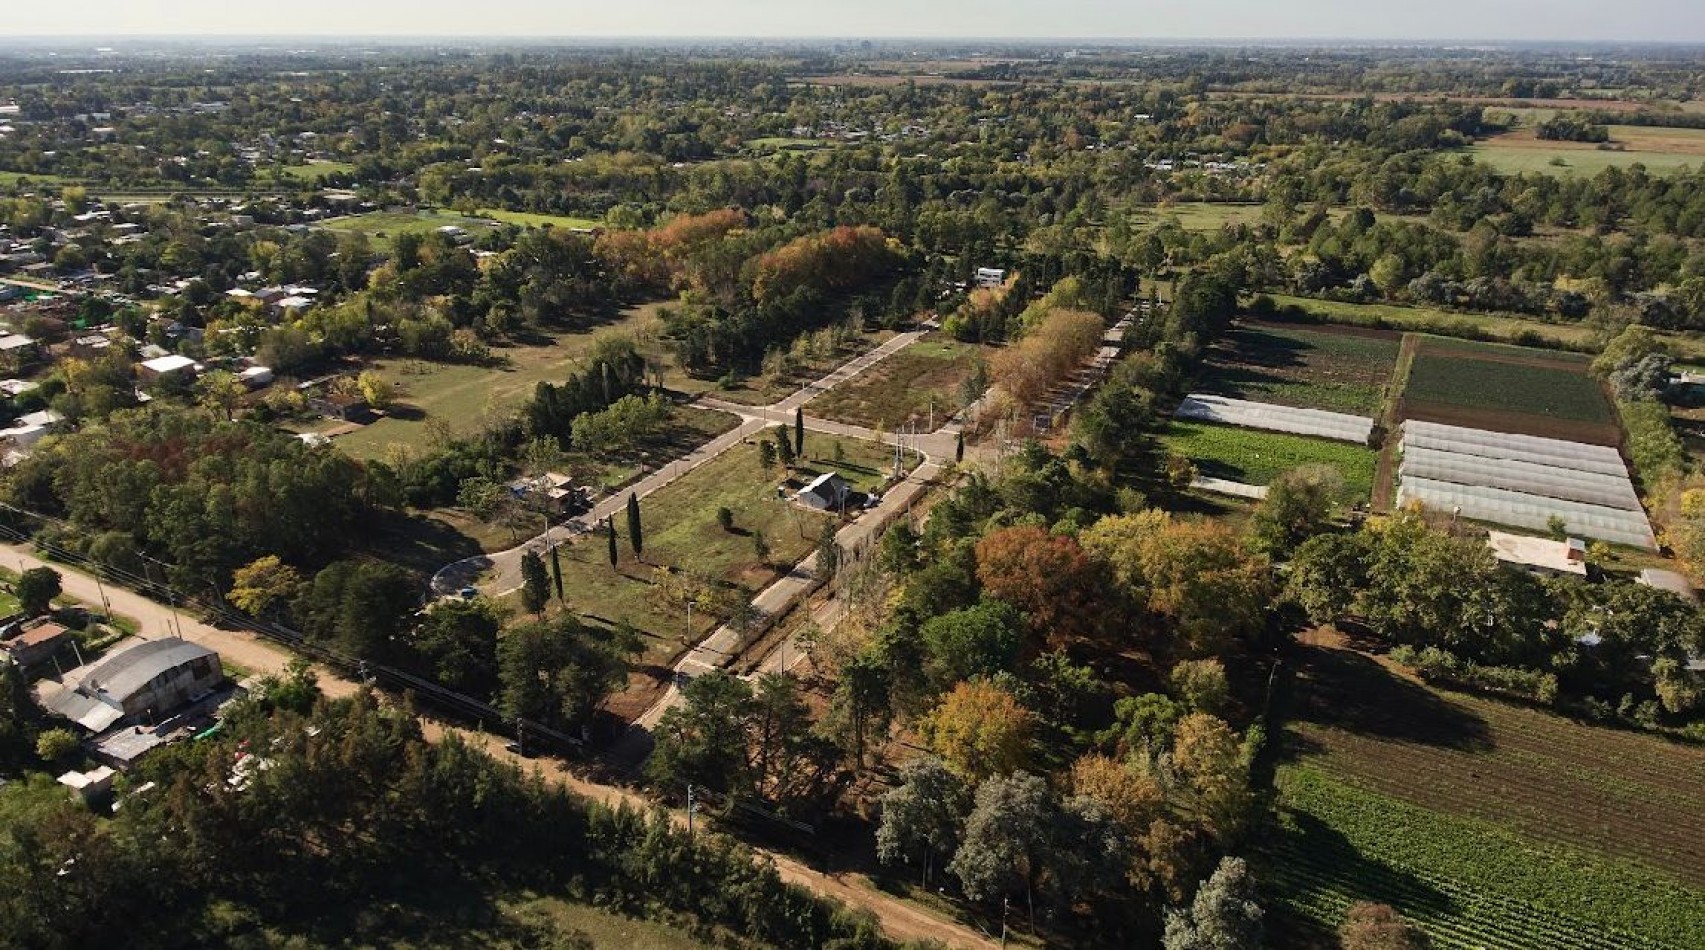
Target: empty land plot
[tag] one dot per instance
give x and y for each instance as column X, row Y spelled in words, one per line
column 1256, row 458
column 1507, row 389
column 919, row 382
column 682, row 532
column 533, row 219
column 383, row 226
column 1490, row 824
column 1661, row 150
column 1199, row 215
column 316, row 170
column 1338, row 369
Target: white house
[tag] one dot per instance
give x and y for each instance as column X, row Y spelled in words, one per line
column 990, row 277
column 827, row 492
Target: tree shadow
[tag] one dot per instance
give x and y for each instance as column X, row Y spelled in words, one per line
column 405, row 412
column 1350, row 691
column 422, row 544
column 1319, row 866
column 1237, row 361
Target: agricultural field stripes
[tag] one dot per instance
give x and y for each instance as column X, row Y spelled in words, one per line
column 1342, row 369
column 1203, row 407
column 1508, row 389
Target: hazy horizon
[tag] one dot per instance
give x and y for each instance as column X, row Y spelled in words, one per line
column 1444, row 21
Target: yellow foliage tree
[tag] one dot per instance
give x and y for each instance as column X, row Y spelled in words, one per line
column 980, row 730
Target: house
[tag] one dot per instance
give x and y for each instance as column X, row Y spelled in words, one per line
column 1540, row 555
column 91, row 786
column 147, row 682
column 827, row 492
column 553, row 491
column 29, row 429
column 18, row 350
column 171, row 365
column 349, row 407
column 35, row 645
column 990, row 277
column 256, row 377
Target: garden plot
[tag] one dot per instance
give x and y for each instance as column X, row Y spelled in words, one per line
column 1259, row 415
column 1509, row 389
column 1522, row 481
column 1341, row 369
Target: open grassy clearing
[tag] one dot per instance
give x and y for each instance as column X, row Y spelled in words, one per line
column 533, row 219
column 1661, row 150
column 1491, row 824
column 1200, row 215
column 682, row 533
column 381, row 226
column 918, row 383
column 765, row 389
column 1256, row 458
column 464, row 396
column 1342, row 371
column 316, row 170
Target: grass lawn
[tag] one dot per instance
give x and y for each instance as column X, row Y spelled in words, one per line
column 535, row 220
column 1342, row 371
column 1661, row 150
column 604, row 929
column 1490, row 824
column 1256, row 458
column 381, row 226
column 8, row 179
column 9, row 604
column 763, row 390
column 682, row 533
column 904, row 386
column 1200, row 215
column 464, row 396
column 316, row 170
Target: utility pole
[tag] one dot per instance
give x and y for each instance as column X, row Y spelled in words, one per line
column 692, row 807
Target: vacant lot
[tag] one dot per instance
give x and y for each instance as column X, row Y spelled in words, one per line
column 382, row 226
column 1508, row 389
column 1659, row 149
column 918, row 384
column 682, row 533
column 765, row 389
column 464, row 397
column 1200, row 215
column 1492, row 825
column 535, row 220
column 1256, row 458
column 1340, row 369
column 315, row 171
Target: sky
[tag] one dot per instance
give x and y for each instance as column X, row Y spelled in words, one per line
column 1531, row 20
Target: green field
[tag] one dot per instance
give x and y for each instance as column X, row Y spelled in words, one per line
column 682, row 532
column 1490, row 824
column 315, row 171
column 381, row 226
column 1517, row 160
column 464, row 396
column 1199, row 215
column 920, row 384
column 1293, row 366
column 530, row 219
column 1458, row 380
column 1256, row 458
column 8, row 179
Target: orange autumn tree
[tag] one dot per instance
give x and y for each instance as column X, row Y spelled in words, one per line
column 829, row 261
column 1048, row 578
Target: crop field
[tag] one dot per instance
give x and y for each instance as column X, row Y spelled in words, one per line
column 920, row 383
column 1256, row 458
column 1491, row 825
column 1508, row 389
column 1338, row 369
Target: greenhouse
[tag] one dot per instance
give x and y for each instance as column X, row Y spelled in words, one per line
column 1530, row 478
column 1501, row 506
column 1260, row 415
column 1576, row 456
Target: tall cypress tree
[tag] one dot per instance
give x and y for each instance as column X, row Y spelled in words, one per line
column 556, row 573
column 959, row 448
column 636, row 533
column 535, row 586
column 615, row 556
column 799, row 431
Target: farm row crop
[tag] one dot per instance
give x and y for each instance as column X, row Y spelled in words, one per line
column 1336, row 370
column 1469, row 883
column 1507, row 386
column 1256, row 458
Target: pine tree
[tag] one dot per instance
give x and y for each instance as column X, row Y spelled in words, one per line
column 784, row 446
column 1224, row 913
column 535, row 583
column 636, row 532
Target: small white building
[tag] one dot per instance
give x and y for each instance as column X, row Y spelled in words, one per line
column 1541, row 555
column 990, row 277
column 827, row 492
column 162, row 366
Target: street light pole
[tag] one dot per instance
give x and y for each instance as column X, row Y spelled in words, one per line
column 689, row 637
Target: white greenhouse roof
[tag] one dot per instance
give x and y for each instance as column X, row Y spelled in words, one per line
column 1534, row 512
column 1576, row 456
column 1592, row 488
column 1260, row 415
